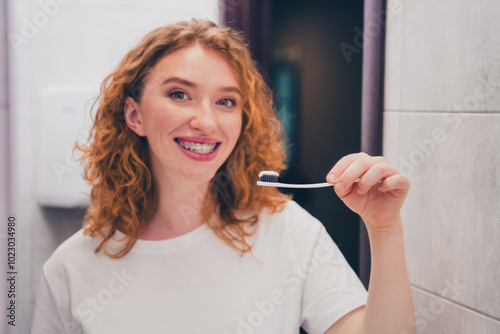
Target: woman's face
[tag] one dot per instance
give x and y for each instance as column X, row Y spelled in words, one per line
column 191, row 114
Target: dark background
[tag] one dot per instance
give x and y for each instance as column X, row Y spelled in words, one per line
column 328, row 103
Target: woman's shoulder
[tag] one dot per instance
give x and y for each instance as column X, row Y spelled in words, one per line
column 293, row 219
column 293, row 213
column 289, row 234
column 73, row 251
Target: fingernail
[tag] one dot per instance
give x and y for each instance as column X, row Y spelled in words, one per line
column 331, row 177
column 340, row 186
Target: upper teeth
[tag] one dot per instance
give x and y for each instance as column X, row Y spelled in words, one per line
column 201, row 148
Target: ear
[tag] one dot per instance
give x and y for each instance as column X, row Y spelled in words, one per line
column 133, row 117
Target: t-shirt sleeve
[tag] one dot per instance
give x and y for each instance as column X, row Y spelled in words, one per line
column 331, row 288
column 48, row 318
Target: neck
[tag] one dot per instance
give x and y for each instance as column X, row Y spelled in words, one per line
column 179, row 211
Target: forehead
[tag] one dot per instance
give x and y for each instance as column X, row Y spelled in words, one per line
column 197, row 64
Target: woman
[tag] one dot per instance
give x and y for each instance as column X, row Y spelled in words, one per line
column 180, row 239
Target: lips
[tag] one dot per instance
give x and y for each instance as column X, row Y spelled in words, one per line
column 202, row 146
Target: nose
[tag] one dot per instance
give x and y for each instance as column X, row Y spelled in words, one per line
column 203, row 118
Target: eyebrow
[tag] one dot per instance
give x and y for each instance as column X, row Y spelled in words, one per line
column 178, row 80
column 232, row 89
column 191, row 84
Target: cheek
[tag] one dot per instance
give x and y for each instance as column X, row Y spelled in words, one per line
column 164, row 121
column 233, row 128
column 155, row 130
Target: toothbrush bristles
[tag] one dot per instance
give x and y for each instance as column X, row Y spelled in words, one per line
column 268, row 176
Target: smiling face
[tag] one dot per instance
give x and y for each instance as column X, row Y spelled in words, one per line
column 191, row 114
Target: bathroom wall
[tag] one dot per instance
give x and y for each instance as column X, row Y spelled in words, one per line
column 442, row 128
column 3, row 154
column 62, row 42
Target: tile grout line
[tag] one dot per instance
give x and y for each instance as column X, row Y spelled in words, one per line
column 402, row 26
column 456, row 303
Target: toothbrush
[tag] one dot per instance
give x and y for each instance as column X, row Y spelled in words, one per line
column 270, row 179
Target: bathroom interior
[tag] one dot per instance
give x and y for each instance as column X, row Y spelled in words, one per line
column 415, row 81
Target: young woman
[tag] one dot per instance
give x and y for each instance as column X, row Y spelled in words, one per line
column 180, row 239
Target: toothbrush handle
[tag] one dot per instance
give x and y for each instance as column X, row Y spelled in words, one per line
column 286, row 185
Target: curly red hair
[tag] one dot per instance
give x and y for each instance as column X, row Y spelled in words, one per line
column 124, row 195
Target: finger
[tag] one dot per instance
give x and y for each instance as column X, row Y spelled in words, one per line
column 375, row 174
column 396, row 182
column 355, row 171
column 341, row 166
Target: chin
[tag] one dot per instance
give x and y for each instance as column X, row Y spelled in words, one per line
column 200, row 177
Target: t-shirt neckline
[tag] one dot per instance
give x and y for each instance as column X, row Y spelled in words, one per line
column 166, row 245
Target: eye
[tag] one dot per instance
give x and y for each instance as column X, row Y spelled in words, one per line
column 179, row 95
column 227, row 103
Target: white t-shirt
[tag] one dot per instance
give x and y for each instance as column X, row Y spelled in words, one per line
column 295, row 276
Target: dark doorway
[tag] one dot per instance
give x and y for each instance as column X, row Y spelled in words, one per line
column 321, row 102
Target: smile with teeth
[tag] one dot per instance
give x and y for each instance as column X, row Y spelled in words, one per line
column 200, row 148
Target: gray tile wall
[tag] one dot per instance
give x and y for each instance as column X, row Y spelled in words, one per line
column 442, row 129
